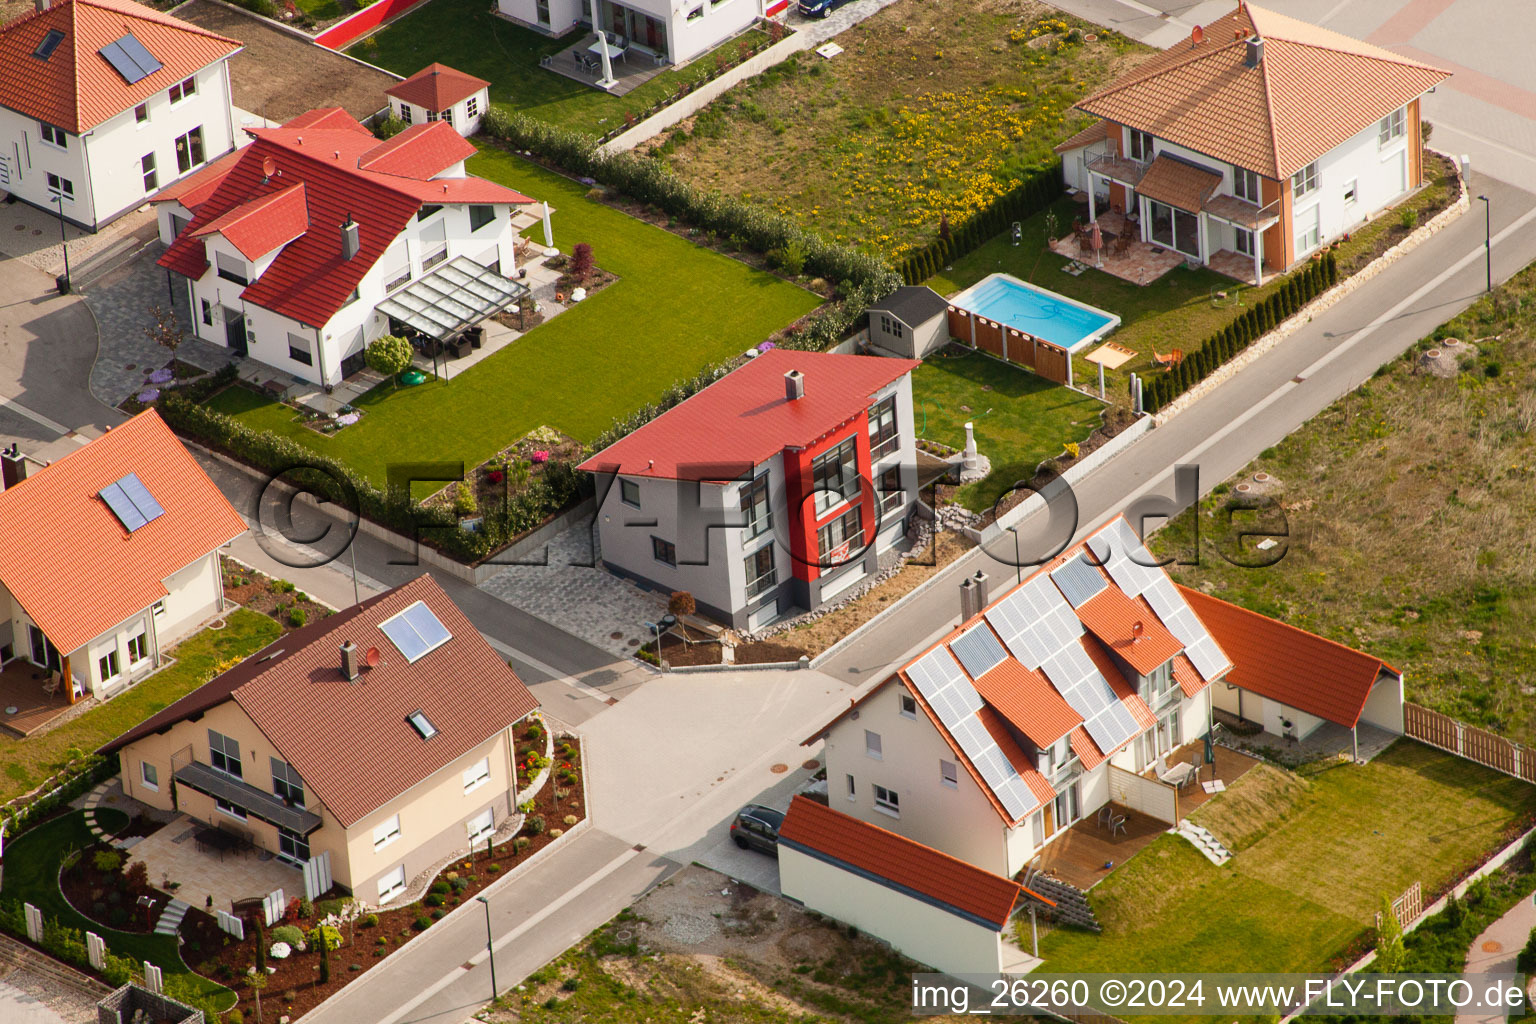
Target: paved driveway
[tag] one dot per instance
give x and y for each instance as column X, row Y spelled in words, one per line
column 18, row 1007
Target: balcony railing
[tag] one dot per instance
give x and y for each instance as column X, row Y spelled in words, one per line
column 892, row 501
column 880, row 449
column 257, row 803
column 763, row 583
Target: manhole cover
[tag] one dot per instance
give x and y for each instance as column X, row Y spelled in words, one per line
column 131, row 366
column 615, row 636
column 1493, row 946
column 811, row 765
column 21, row 227
column 779, row 769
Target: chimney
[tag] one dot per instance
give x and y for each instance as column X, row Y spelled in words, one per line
column 1255, row 52
column 13, row 465
column 350, row 243
column 973, row 596
column 794, row 385
column 41, row 5
column 349, row 661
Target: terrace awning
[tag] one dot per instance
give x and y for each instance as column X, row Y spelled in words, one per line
column 453, row 297
column 258, row 803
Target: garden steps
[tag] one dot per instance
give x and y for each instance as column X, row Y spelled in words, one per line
column 170, row 917
column 1205, row 842
column 1071, row 902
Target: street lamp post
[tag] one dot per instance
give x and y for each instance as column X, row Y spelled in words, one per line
column 63, row 282
column 1018, row 559
column 490, row 950
column 1488, row 239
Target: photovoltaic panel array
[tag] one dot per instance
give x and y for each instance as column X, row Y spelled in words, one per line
column 1079, row 580
column 131, row 502
column 1085, row 689
column 978, row 650
column 955, row 701
column 1187, row 628
column 130, row 58
column 416, row 631
column 1121, row 553
column 1035, row 621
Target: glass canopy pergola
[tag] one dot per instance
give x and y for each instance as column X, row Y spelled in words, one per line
column 452, row 298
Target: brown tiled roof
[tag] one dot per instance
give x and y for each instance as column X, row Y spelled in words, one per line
column 1096, row 132
column 901, row 863
column 437, row 87
column 350, row 741
column 1313, row 90
column 1300, row 669
column 76, row 88
column 1177, row 183
column 73, row 565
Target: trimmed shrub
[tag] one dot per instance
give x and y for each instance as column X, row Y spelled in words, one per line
column 288, row 933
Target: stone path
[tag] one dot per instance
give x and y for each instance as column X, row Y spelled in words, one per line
column 121, row 302
column 589, row 602
column 1494, row 951
column 31, row 234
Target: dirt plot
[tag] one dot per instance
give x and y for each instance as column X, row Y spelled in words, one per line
column 699, row 948
column 279, row 76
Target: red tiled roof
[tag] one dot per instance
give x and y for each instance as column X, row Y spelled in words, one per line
column 1300, row 669
column 437, row 87
column 1096, row 132
column 73, row 566
column 1112, row 617
column 419, row 152
column 76, row 88
column 1022, row 763
column 1313, row 90
column 1188, row 678
column 350, row 741
column 904, row 863
column 743, row 419
column 1117, row 682
column 196, row 187
column 311, row 279
column 261, row 225
column 1028, row 701
column 1087, row 751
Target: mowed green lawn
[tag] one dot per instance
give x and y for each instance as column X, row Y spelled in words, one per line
column 1298, row 895
column 467, row 35
column 1021, row 419
column 26, row 763
column 675, row 309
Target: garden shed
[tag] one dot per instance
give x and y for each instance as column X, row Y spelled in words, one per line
column 910, row 322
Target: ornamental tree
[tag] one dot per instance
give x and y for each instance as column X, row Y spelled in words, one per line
column 390, row 355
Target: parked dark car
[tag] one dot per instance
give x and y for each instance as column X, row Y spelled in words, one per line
column 819, row 8
column 757, row 828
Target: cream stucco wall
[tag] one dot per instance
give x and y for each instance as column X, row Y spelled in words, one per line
column 928, row 934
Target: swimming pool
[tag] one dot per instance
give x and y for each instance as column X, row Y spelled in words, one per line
column 1043, row 314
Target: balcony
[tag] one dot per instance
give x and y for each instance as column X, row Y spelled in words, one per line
column 257, row 803
column 1242, row 213
column 880, row 449
column 1118, row 168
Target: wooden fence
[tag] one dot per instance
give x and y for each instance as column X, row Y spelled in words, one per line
column 1485, row 748
column 1407, row 907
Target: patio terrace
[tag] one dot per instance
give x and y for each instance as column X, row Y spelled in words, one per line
column 25, row 705
column 1140, row 262
column 172, row 852
column 631, row 69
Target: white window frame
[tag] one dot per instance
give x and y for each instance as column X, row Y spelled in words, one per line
column 141, row 640
column 1351, row 192
column 763, row 581
column 482, row 832
column 477, row 775
column 853, row 789
column 52, row 135
column 149, row 168
column 1310, row 239
column 386, row 832
column 230, row 810
column 158, row 608
column 60, row 186
column 472, row 106
column 949, row 774
column 106, row 659
column 1241, row 179
column 887, row 801
column 141, row 114
column 149, row 775
column 183, row 89
column 1304, row 181
column 391, row 884
column 1142, row 141
column 872, row 745
column 1392, row 128
column 908, row 706
column 626, row 487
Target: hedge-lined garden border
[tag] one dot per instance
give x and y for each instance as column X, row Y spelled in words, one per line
column 1036, row 192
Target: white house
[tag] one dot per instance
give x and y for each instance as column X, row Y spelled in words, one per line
column 777, row 487
column 105, row 102
column 670, row 31
column 108, row 556
column 439, row 93
column 1056, row 699
column 936, row 909
column 309, row 243
column 1259, row 135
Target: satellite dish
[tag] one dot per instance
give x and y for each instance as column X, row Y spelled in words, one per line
column 372, row 658
column 268, row 165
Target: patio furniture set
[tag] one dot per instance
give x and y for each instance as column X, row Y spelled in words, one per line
column 591, row 59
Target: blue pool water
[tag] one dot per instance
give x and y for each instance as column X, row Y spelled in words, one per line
column 1044, row 314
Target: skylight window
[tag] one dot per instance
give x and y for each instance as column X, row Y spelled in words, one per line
column 130, row 58
column 49, row 43
column 416, row 631
column 421, row 724
column 131, row 502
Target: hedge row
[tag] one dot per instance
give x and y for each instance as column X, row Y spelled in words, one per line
column 649, row 180
column 1033, row 194
column 560, row 485
column 81, row 775
column 1295, row 292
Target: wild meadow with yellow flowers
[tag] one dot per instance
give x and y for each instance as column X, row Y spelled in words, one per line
column 932, row 110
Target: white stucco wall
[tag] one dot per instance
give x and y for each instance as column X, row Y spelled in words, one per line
column 928, row 934
column 1381, row 174
column 1384, row 707
column 463, row 122
column 716, row 20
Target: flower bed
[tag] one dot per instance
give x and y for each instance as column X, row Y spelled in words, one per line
column 540, row 459
column 279, row 599
column 96, row 884
column 365, row 936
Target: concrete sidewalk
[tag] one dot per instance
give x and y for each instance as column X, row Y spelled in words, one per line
column 1495, row 950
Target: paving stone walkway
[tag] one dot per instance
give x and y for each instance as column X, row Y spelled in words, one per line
column 592, row 603
column 121, row 302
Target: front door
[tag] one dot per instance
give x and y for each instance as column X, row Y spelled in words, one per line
column 234, row 332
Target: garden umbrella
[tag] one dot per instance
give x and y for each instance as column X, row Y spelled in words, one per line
column 1096, row 241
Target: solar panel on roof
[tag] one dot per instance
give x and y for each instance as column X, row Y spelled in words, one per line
column 978, row 650
column 1086, row 691
column 49, row 43
column 415, row 631
column 130, row 59
column 133, row 488
column 125, row 510
column 1078, row 580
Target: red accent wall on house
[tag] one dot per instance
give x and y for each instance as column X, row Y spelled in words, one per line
column 798, row 482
